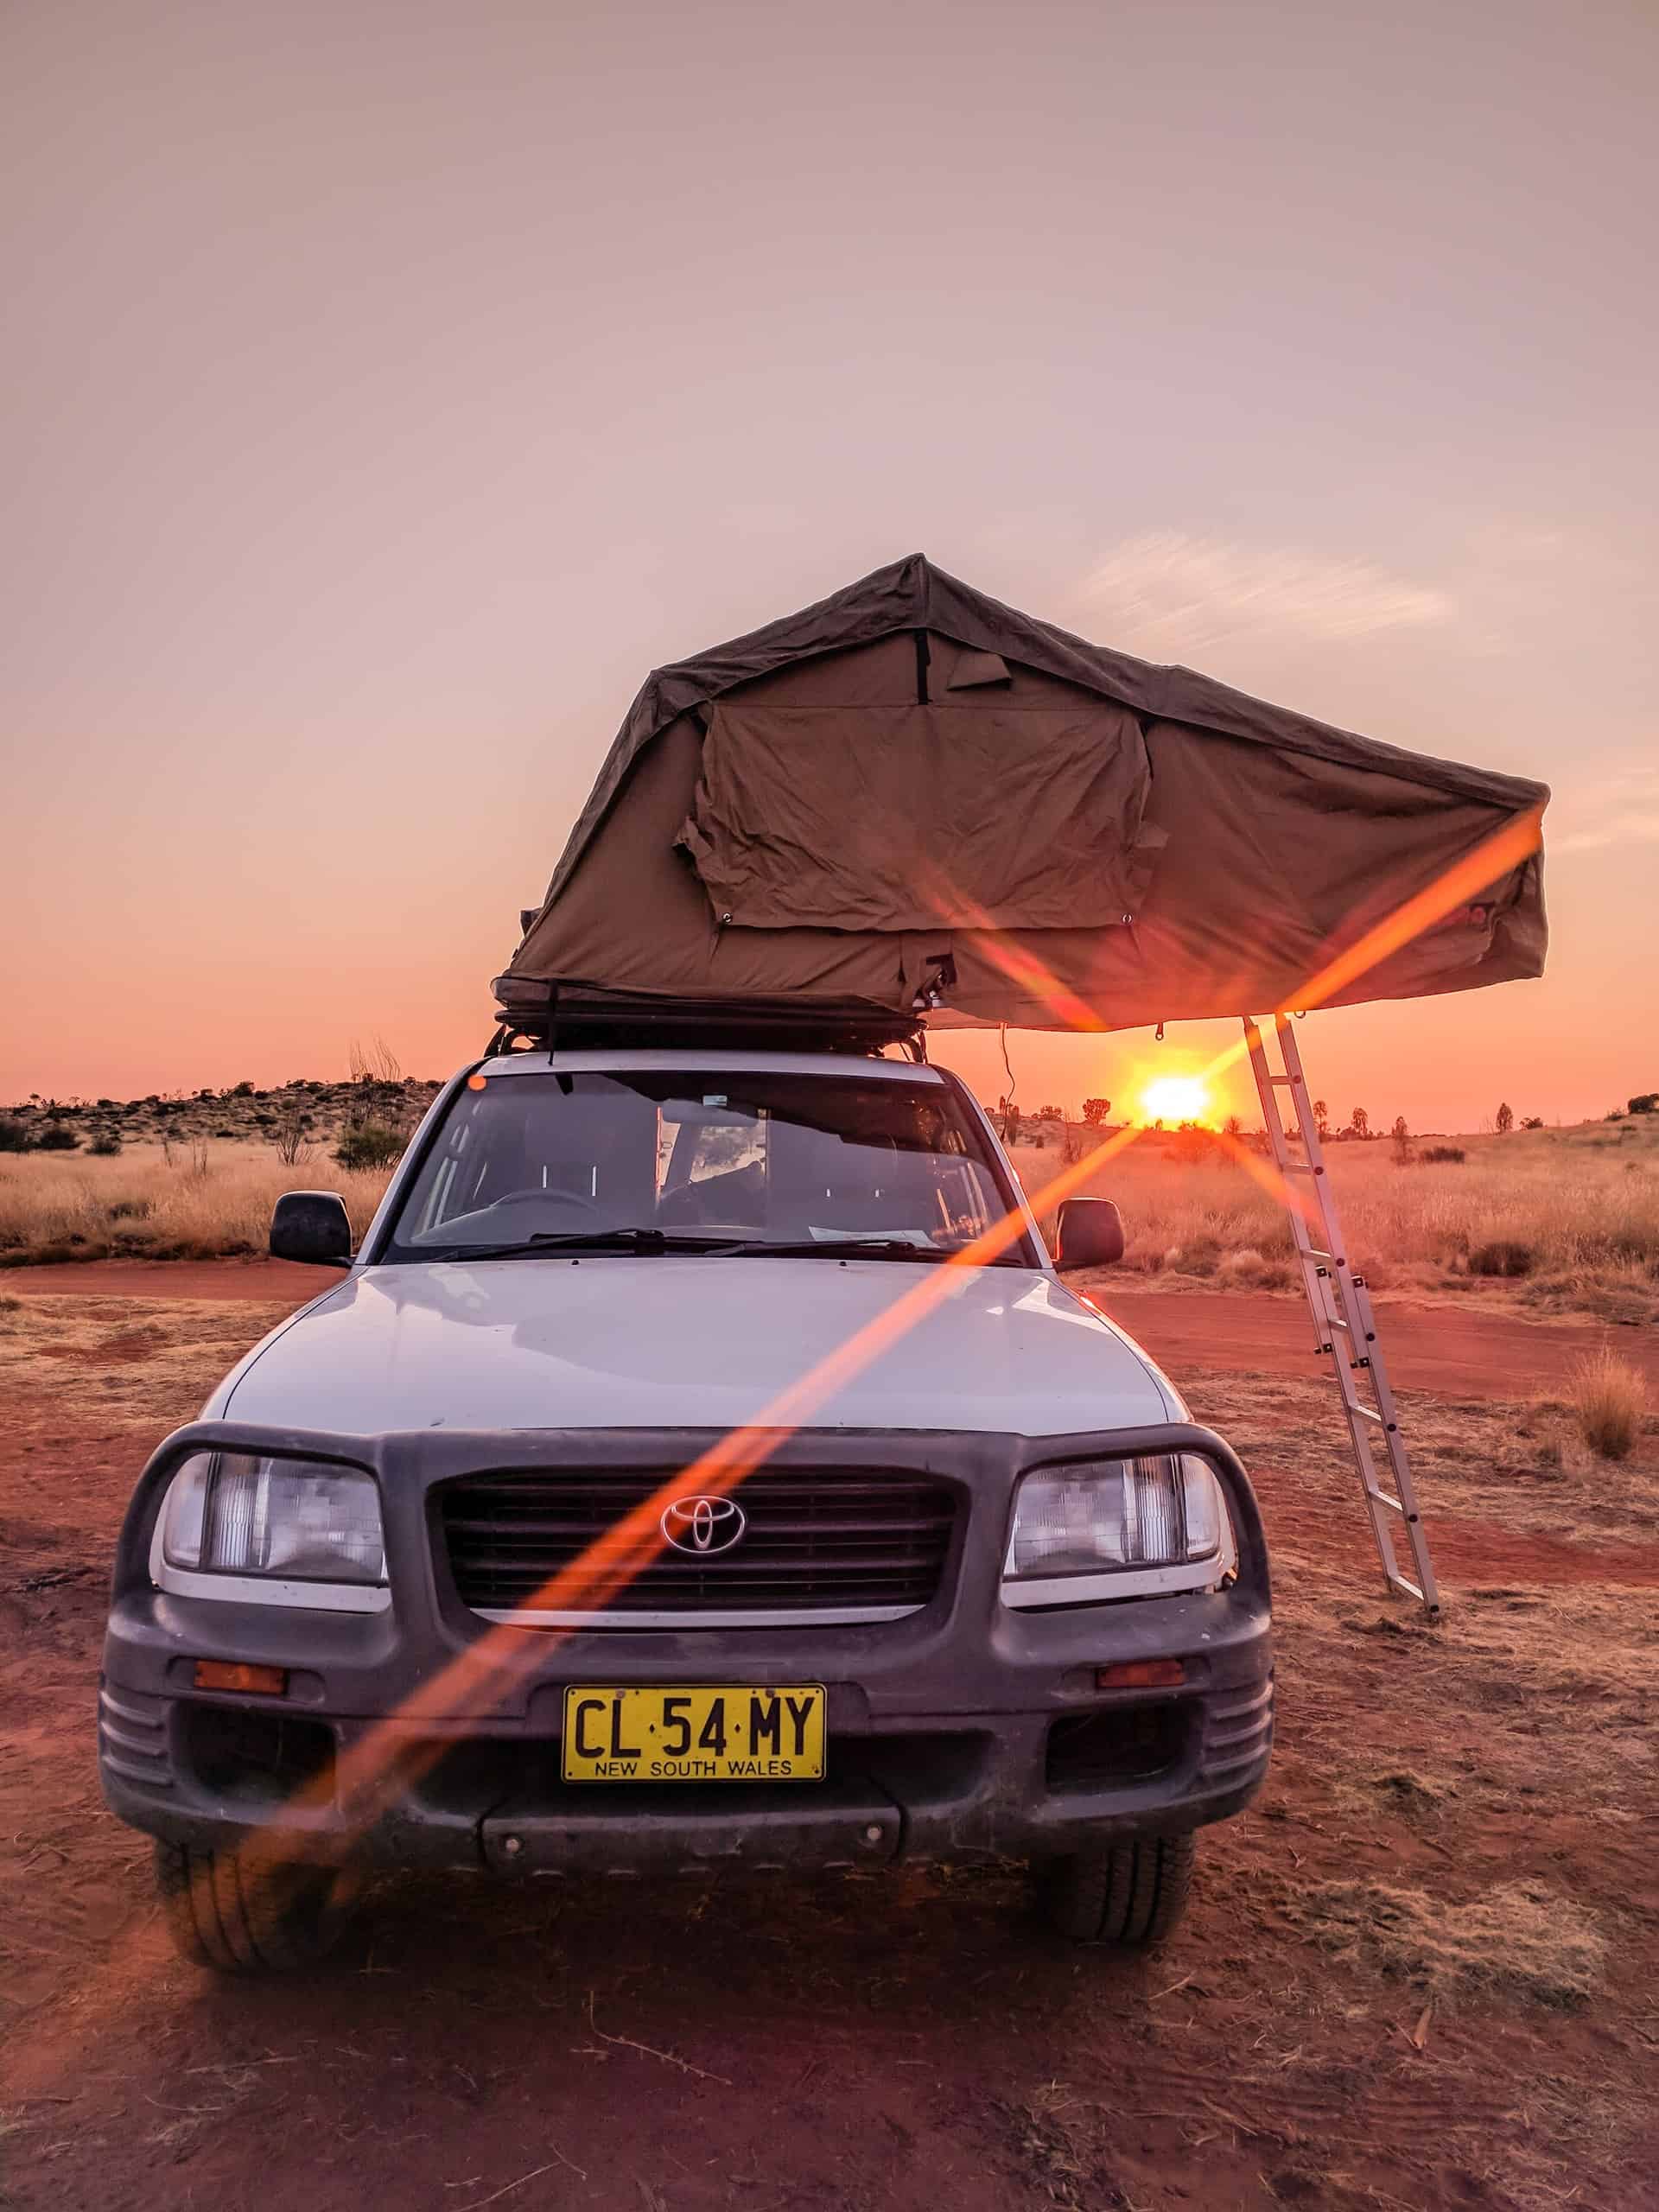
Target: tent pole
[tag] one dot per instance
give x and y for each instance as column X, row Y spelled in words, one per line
column 1345, row 1326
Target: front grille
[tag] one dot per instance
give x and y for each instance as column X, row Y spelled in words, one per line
column 854, row 1541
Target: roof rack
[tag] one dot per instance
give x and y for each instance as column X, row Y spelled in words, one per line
column 578, row 1016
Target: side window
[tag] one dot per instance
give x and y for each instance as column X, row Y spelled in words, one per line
column 454, row 1177
column 701, row 1150
column 965, row 1198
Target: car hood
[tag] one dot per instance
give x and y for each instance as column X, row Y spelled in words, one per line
column 686, row 1343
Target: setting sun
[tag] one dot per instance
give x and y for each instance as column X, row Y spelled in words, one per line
column 1176, row 1098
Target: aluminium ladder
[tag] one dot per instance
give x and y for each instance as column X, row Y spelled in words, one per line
column 1344, row 1327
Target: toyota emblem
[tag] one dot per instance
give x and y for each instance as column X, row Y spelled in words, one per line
column 703, row 1525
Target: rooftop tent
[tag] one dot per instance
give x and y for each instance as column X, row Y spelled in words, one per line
column 911, row 795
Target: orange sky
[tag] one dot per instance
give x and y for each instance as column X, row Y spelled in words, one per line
column 389, row 388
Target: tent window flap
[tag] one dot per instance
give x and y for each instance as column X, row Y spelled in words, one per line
column 912, row 817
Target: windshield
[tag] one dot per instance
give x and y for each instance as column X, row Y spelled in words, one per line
column 686, row 1161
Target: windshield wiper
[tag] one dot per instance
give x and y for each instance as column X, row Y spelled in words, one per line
column 650, row 1242
column 647, row 1241
column 839, row 1247
column 862, row 1248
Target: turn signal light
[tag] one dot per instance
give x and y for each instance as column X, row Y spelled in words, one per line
column 1141, row 1675
column 222, row 1675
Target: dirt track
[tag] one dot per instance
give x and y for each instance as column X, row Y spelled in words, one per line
column 903, row 2041
column 1442, row 1348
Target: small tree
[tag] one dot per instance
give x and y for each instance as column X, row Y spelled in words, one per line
column 1505, row 1120
column 1532, row 1120
column 1095, row 1111
column 367, row 1144
column 1402, row 1136
column 1645, row 1102
column 1322, row 1117
column 1360, row 1123
column 289, row 1135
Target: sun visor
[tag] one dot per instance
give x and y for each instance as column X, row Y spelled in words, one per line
column 917, row 817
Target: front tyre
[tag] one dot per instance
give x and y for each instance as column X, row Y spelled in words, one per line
column 248, row 1913
column 1130, row 1894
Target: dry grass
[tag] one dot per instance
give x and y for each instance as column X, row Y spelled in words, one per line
column 1555, row 1220
column 208, row 1199
column 1522, row 1938
column 1609, row 1397
column 1561, row 1220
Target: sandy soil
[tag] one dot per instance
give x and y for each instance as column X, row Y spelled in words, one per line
column 1421, row 1973
column 281, row 1282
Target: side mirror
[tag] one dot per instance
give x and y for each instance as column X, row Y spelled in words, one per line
column 311, row 1225
column 1090, row 1234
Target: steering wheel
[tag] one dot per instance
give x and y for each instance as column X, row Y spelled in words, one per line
column 536, row 1190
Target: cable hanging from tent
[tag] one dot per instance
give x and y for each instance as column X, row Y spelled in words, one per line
column 1007, row 1064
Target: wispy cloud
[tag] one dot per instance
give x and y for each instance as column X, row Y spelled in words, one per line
column 1168, row 592
column 1621, row 809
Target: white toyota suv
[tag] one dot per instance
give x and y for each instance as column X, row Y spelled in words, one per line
column 700, row 1465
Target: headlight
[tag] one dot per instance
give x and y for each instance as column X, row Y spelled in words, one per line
column 292, row 1521
column 1156, row 1522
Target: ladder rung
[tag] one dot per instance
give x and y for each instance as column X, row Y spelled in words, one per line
column 1339, row 1304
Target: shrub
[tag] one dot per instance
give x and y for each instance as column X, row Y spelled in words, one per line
column 370, row 1145
column 1444, row 1155
column 106, row 1144
column 14, row 1134
column 1608, row 1397
column 1501, row 1257
column 57, row 1136
column 289, row 1137
column 1200, row 1255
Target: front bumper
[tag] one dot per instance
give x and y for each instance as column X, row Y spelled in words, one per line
column 967, row 1729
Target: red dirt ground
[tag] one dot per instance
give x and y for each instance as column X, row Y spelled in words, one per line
column 1429, row 1347
column 876, row 2043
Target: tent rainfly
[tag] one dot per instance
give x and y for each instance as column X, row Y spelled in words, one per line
column 910, row 798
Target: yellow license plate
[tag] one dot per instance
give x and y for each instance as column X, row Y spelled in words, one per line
column 701, row 1733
